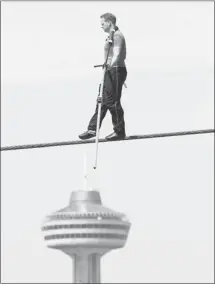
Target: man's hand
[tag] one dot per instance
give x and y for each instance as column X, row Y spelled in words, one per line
column 99, row 99
column 106, row 66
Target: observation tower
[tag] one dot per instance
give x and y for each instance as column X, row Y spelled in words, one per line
column 86, row 230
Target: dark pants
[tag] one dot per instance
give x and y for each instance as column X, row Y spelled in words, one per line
column 113, row 82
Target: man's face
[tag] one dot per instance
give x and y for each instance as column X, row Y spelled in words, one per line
column 105, row 25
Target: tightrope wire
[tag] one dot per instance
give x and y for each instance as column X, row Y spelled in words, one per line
column 132, row 137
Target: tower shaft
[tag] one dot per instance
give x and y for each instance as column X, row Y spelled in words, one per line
column 86, row 268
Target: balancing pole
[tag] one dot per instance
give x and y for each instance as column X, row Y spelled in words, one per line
column 101, row 87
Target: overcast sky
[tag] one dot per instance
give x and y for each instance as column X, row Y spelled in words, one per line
column 164, row 186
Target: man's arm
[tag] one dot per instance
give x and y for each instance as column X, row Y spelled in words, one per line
column 117, row 45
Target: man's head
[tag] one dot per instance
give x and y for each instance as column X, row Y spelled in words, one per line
column 108, row 22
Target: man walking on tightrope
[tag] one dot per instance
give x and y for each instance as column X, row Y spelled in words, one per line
column 114, row 79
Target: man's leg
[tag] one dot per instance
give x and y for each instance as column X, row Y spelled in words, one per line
column 91, row 132
column 117, row 113
column 93, row 121
column 106, row 89
column 118, row 76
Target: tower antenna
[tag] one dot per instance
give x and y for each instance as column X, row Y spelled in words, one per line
column 85, row 171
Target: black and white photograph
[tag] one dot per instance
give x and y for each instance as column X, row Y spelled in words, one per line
column 107, row 141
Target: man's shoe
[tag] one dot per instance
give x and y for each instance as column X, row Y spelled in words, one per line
column 115, row 136
column 87, row 134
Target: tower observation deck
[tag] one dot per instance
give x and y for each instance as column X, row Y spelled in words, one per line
column 86, row 230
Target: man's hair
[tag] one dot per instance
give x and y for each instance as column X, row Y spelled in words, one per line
column 109, row 17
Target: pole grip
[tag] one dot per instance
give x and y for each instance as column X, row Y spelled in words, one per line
column 100, row 65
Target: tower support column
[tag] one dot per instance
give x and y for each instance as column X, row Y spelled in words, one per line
column 86, row 268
